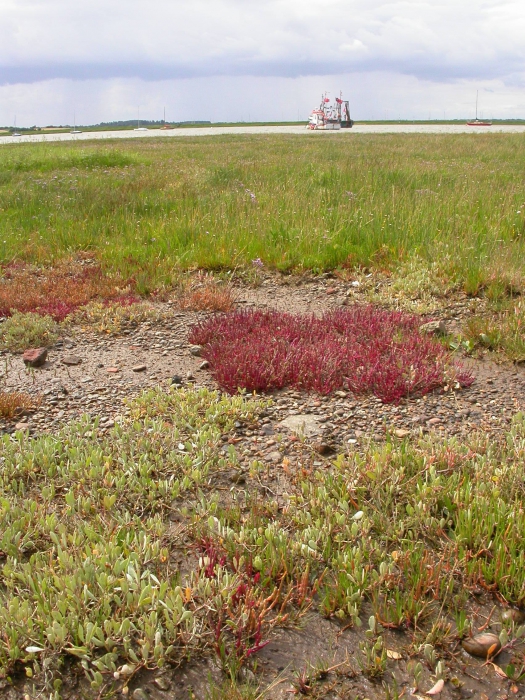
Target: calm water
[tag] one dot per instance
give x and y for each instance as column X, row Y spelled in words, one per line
column 218, row 130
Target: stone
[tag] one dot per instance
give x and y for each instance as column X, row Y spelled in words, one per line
column 434, row 328
column 140, row 694
column 274, row 457
column 34, row 357
column 195, row 350
column 401, row 433
column 322, row 448
column 112, row 370
column 139, row 368
column 302, row 423
column 162, row 682
column 176, row 380
column 22, row 426
column 71, row 360
column 204, row 365
column 481, row 644
column 513, row 615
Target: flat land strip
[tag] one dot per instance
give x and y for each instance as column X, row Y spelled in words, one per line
column 162, row 539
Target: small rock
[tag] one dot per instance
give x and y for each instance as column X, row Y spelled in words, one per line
column 195, row 350
column 176, row 380
column 331, row 290
column 302, row 423
column 22, row 426
column 190, row 377
column 35, row 357
column 274, row 457
column 481, row 644
column 140, row 694
column 112, row 370
column 139, row 368
column 71, row 360
column 204, row 365
column 401, row 433
column 434, row 328
column 162, row 683
column 513, row 615
column 322, row 448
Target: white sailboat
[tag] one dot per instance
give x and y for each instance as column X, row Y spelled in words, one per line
column 476, row 121
column 74, row 130
column 139, row 127
column 15, row 132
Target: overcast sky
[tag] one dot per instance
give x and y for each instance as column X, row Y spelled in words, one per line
column 258, row 59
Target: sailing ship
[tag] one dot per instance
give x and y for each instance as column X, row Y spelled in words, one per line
column 476, row 121
column 139, row 127
column 331, row 116
column 15, row 132
column 74, row 130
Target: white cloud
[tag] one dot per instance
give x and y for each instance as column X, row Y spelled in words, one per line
column 117, row 47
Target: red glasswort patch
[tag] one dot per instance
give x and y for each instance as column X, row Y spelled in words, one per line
column 363, row 349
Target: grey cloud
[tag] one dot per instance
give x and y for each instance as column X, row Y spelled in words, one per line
column 439, row 41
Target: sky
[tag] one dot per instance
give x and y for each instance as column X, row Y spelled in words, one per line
column 258, row 60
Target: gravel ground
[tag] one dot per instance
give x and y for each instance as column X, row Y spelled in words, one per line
column 107, row 374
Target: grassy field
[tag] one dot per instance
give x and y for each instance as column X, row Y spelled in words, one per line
column 146, row 208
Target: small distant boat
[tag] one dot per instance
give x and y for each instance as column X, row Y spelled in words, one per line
column 331, row 117
column 74, row 130
column 139, row 127
column 15, row 132
column 476, row 121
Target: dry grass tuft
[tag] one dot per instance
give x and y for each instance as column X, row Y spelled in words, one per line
column 15, row 403
column 205, row 293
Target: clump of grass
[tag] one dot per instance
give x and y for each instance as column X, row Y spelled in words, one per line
column 16, row 403
column 28, row 330
column 58, row 290
column 205, row 293
column 112, row 318
column 364, row 349
column 503, row 331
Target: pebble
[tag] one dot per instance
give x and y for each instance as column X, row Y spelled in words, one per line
column 112, row 370
column 71, row 360
column 434, row 328
column 176, row 380
column 274, row 457
column 139, row 368
column 140, row 694
column 401, row 433
column 204, row 365
column 162, row 682
column 481, row 644
column 195, row 350
column 22, row 426
column 513, row 615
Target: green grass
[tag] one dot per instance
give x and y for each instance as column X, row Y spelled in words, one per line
column 94, row 569
column 321, row 201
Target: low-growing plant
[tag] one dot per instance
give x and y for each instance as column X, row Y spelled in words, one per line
column 205, row 293
column 503, row 331
column 112, row 318
column 28, row 330
column 363, row 349
column 58, row 290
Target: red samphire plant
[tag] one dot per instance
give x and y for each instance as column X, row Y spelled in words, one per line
column 362, row 349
